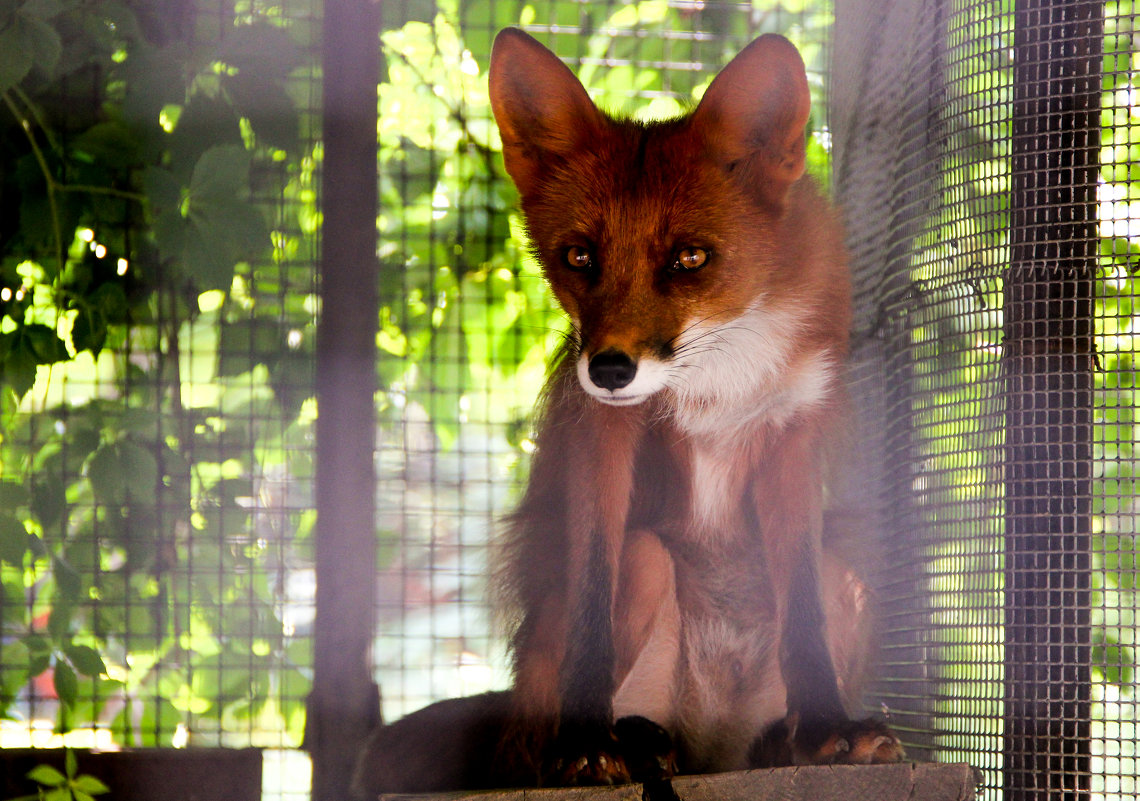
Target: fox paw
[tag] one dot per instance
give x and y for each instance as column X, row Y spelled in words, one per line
column 635, row 749
column 586, row 755
column 859, row 742
column 647, row 749
column 849, row 742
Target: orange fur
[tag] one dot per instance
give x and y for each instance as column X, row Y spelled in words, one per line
column 689, row 422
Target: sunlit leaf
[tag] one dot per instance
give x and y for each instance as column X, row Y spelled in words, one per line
column 90, row 785
column 46, row 775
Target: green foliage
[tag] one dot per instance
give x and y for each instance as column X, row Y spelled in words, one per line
column 134, row 144
column 67, row 786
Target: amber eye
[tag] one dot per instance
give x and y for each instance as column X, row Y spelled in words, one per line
column 691, row 259
column 579, row 259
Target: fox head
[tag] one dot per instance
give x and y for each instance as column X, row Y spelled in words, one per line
column 662, row 240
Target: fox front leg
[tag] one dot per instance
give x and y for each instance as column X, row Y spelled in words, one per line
column 816, row 729
column 586, row 750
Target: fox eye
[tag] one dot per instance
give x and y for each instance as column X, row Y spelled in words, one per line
column 690, row 259
column 579, row 259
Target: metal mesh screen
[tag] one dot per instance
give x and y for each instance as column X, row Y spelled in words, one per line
column 155, row 501
column 994, row 362
column 157, row 306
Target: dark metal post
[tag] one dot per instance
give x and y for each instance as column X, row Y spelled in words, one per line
column 1047, row 366
column 343, row 705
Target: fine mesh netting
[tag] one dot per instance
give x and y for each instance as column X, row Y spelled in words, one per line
column 993, row 172
column 158, row 293
column 156, row 501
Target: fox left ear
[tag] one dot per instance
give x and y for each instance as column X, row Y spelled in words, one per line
column 542, row 110
column 754, row 113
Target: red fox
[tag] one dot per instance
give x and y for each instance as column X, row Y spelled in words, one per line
column 680, row 602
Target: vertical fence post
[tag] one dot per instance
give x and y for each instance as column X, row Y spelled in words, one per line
column 1047, row 363
column 343, row 705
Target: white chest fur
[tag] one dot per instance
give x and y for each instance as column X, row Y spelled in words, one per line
column 753, row 380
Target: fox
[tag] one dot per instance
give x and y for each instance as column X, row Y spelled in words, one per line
column 684, row 584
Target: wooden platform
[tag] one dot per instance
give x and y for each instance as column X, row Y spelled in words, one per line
column 907, row 781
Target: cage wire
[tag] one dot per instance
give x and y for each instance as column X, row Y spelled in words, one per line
column 1007, row 478
column 165, row 477
column 988, row 148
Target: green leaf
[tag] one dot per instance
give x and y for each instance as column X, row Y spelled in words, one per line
column 43, row 9
column 49, row 499
column 16, row 56
column 45, row 343
column 66, row 683
column 268, row 107
column 18, row 369
column 89, row 331
column 70, row 764
column 12, row 494
column 85, row 659
column 222, row 232
column 47, row 776
column 106, row 476
column 37, row 645
column 206, row 122
column 111, row 300
column 265, row 51
column 154, row 79
column 123, row 471
column 38, row 663
column 163, row 190
column 42, row 41
column 90, row 785
column 62, row 612
column 244, row 344
column 140, row 471
column 110, row 143
column 68, row 583
column 13, row 540
column 220, row 173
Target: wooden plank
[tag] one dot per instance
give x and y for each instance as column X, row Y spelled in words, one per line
column 907, row 781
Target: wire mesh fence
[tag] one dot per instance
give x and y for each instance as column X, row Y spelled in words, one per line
column 156, row 503
column 158, row 298
column 996, row 328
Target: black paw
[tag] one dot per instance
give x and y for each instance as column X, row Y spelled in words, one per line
column 585, row 755
column 635, row 749
column 647, row 749
column 845, row 742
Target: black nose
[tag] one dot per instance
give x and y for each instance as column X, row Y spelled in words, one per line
column 612, row 369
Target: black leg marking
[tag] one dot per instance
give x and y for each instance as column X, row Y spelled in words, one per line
column 813, row 692
column 586, row 750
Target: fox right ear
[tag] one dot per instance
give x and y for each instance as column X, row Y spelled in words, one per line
column 754, row 114
column 541, row 108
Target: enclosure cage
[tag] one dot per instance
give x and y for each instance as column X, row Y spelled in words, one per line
column 218, row 216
